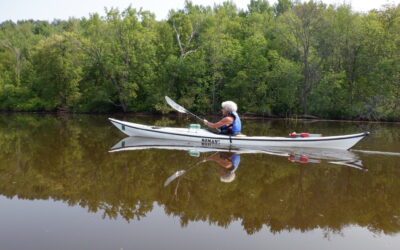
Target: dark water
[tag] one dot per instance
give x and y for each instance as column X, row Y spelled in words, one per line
column 60, row 188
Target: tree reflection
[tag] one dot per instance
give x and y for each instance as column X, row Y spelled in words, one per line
column 47, row 157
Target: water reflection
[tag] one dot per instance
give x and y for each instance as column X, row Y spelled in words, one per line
column 229, row 156
column 67, row 159
column 229, row 162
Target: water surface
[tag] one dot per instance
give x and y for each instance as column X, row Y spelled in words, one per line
column 61, row 188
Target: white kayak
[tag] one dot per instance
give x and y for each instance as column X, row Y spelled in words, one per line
column 207, row 138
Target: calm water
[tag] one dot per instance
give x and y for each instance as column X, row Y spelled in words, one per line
column 61, row 188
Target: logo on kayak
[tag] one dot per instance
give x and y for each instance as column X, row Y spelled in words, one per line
column 207, row 141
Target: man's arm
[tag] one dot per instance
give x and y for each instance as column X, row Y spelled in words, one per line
column 224, row 121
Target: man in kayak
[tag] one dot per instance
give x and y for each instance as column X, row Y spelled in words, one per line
column 230, row 124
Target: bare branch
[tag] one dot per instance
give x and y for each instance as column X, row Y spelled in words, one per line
column 189, row 52
column 178, row 38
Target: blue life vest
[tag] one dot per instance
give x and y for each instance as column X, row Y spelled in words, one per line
column 235, row 162
column 234, row 128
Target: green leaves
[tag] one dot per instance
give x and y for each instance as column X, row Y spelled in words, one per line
column 286, row 59
column 57, row 60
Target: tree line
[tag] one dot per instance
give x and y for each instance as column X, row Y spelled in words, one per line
column 286, row 59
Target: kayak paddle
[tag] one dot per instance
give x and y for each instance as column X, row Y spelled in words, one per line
column 181, row 109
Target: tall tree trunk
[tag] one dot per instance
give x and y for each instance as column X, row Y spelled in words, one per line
column 306, row 86
column 124, row 106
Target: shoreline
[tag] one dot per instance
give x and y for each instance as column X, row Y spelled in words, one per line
column 175, row 114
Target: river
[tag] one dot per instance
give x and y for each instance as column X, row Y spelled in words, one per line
column 63, row 185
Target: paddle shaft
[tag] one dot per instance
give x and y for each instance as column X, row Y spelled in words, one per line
column 195, row 116
column 181, row 109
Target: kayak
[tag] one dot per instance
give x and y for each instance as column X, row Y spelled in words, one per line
column 206, row 137
column 301, row 155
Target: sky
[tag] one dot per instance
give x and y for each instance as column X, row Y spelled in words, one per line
column 63, row 9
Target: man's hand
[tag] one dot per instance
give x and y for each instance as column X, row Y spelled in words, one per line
column 205, row 122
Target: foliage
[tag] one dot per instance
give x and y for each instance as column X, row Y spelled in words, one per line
column 285, row 59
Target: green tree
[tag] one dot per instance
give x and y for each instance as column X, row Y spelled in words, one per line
column 57, row 58
column 301, row 28
column 282, row 6
column 201, row 55
column 130, row 53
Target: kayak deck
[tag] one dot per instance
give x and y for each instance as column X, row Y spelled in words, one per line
column 209, row 138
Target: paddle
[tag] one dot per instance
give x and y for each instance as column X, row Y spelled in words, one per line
column 181, row 109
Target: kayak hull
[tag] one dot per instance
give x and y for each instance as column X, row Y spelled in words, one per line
column 208, row 138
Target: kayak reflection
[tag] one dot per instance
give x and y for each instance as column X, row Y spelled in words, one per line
column 229, row 156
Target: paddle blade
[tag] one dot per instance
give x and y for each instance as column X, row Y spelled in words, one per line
column 175, row 106
column 173, row 177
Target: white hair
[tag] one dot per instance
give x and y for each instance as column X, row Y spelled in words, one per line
column 227, row 178
column 230, row 106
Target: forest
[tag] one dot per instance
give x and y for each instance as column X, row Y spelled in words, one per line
column 286, row 59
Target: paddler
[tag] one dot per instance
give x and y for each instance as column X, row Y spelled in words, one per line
column 230, row 124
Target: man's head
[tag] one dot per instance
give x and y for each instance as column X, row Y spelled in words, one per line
column 228, row 107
